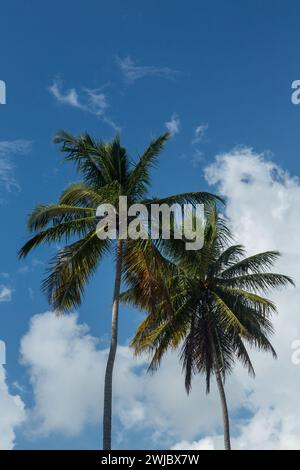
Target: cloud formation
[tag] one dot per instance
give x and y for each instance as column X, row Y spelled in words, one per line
column 63, row 361
column 199, row 133
column 132, row 72
column 92, row 101
column 173, row 125
column 65, row 372
column 12, row 412
column 9, row 149
column 5, row 293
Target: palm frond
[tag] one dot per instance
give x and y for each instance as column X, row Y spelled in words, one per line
column 46, row 214
column 263, row 282
column 64, row 230
column 139, row 179
column 70, row 270
column 258, row 263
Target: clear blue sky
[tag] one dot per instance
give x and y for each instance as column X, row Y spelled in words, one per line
column 227, row 66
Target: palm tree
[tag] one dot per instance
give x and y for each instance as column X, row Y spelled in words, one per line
column 107, row 173
column 211, row 307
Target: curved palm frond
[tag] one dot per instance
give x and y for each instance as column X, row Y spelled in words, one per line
column 45, row 214
column 262, row 282
column 57, row 233
column 255, row 264
column 139, row 179
column 70, row 270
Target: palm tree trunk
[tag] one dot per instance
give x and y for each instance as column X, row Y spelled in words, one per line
column 224, row 409
column 107, row 412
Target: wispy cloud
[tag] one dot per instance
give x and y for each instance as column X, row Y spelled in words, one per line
column 197, row 158
column 28, row 268
column 93, row 101
column 8, row 149
column 5, row 294
column 4, row 275
column 199, row 133
column 173, row 126
column 132, row 72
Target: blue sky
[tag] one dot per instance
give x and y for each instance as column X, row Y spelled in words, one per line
column 219, row 73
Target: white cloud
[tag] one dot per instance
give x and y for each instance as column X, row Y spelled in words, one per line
column 70, row 97
column 12, row 412
column 132, row 72
column 206, row 443
column 267, row 430
column 159, row 404
column 8, row 149
column 93, row 101
column 173, row 126
column 199, row 133
column 63, row 361
column 65, row 372
column 5, row 294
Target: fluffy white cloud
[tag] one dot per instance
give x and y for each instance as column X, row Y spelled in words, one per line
column 206, row 443
column 159, row 404
column 266, row 430
column 173, row 126
column 5, row 294
column 67, row 370
column 12, row 412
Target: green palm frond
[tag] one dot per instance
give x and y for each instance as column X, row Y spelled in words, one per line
column 57, row 233
column 71, row 269
column 262, row 282
column 86, row 154
column 227, row 258
column 46, row 214
column 227, row 315
column 192, row 198
column 252, row 314
column 263, row 305
column 243, row 356
column 139, row 179
column 256, row 264
column 79, row 194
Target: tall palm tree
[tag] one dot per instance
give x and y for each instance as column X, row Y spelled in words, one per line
column 107, row 173
column 211, row 307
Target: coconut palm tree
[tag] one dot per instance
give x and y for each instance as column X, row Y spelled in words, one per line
column 211, row 307
column 107, row 173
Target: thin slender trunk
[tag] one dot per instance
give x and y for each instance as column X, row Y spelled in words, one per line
column 107, row 411
column 224, row 409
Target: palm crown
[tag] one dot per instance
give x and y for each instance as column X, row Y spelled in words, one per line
column 214, row 305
